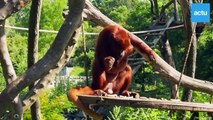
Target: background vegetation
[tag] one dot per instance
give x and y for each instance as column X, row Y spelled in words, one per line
column 133, row 15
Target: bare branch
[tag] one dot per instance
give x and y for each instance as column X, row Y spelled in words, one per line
column 49, row 61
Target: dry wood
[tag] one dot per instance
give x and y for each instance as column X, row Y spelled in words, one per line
column 146, row 103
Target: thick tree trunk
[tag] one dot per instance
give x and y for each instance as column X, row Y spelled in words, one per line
column 9, row 74
column 33, row 38
column 191, row 66
column 191, row 46
column 190, row 69
column 42, row 67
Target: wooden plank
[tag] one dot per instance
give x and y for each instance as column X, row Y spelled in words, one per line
column 146, row 103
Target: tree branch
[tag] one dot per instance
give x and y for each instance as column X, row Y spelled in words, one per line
column 49, row 61
column 7, row 7
column 32, row 57
column 9, row 73
column 41, row 86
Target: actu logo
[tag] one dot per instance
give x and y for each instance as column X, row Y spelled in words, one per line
column 200, row 12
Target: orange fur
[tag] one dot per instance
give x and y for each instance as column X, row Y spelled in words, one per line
column 110, row 71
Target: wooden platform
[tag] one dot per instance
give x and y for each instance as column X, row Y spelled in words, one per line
column 146, row 103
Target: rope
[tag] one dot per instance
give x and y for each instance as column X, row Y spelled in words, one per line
column 157, row 30
column 85, row 55
column 184, row 65
column 86, row 33
column 45, row 31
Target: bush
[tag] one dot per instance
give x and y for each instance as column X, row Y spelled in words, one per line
column 52, row 106
column 129, row 113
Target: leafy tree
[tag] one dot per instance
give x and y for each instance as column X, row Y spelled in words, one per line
column 18, row 51
column 139, row 18
column 205, row 55
column 51, row 19
column 134, row 15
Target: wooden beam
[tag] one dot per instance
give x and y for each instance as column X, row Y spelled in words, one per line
column 146, row 103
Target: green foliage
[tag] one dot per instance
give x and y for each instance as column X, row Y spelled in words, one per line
column 201, row 97
column 54, row 102
column 77, row 71
column 61, row 87
column 79, row 60
column 20, row 18
column 18, row 52
column 51, row 19
column 107, row 6
column 139, row 17
column 125, row 12
column 120, row 14
column 2, row 80
column 205, row 55
column 177, row 40
column 116, row 113
column 128, row 113
column 52, row 108
column 134, row 15
column 27, row 115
